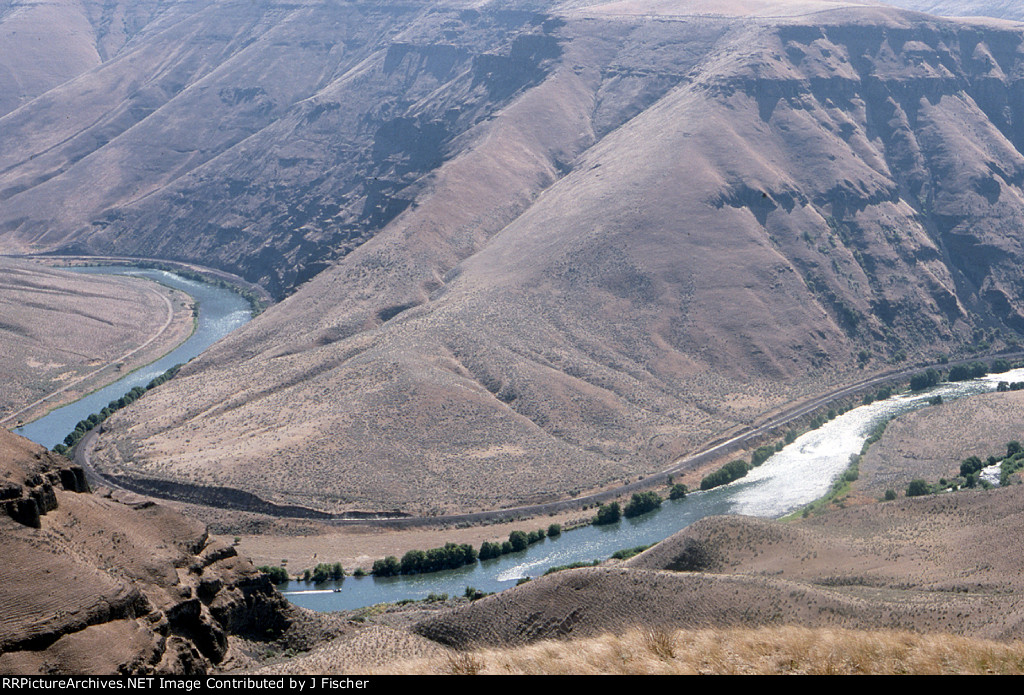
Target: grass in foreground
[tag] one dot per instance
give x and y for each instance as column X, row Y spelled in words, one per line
column 768, row 650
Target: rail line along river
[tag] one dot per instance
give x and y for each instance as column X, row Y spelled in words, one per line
column 802, row 472
column 220, row 312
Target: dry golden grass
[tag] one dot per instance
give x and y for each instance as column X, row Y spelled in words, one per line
column 767, row 650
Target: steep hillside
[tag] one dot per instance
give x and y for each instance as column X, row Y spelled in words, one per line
column 687, row 222
column 265, row 138
column 96, row 584
column 49, row 42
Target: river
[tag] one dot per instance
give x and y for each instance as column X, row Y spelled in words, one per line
column 800, row 473
column 220, row 312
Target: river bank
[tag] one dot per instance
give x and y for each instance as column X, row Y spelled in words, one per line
column 802, row 472
column 220, row 312
column 773, row 489
column 68, row 334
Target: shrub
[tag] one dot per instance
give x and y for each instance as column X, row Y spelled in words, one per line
column 970, row 465
column 678, row 492
column 571, row 566
column 554, row 530
column 627, row 553
column 325, row 571
column 518, row 540
column 920, row 382
column 762, row 454
column 607, row 514
column 388, row 567
column 890, row 495
column 968, row 371
column 641, row 503
column 489, row 550
column 413, row 561
column 918, row 487
column 278, row 575
column 734, row 470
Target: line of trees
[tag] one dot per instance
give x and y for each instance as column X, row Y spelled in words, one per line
column 323, row 572
column 607, row 514
column 450, row 556
column 734, row 470
column 641, row 503
column 95, row 419
column 455, row 555
column 517, row 541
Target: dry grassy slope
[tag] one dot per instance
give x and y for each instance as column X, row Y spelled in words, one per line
column 931, row 443
column 265, row 138
column 108, row 585
column 771, row 650
column 805, row 190
column 48, row 42
column 944, row 564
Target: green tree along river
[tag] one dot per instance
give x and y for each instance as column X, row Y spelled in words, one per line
column 802, row 472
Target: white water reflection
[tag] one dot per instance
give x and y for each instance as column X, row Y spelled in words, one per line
column 799, row 474
column 806, row 469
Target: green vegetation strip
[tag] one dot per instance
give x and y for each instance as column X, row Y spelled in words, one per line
column 95, row 419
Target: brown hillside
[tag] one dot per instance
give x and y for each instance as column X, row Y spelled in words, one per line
column 945, row 564
column 682, row 225
column 69, row 333
column 931, row 443
column 47, row 43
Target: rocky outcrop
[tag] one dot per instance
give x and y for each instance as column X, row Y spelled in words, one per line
column 35, row 496
column 103, row 583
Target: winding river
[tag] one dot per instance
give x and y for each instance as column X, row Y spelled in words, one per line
column 220, row 312
column 795, row 476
